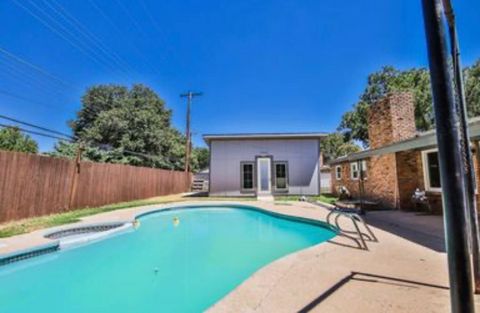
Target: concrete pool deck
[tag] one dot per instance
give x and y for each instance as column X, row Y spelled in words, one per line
column 394, row 275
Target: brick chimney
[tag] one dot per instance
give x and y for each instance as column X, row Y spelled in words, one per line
column 391, row 119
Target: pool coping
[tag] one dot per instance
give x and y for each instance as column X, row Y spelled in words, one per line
column 245, row 207
column 23, row 254
column 59, row 244
column 78, row 229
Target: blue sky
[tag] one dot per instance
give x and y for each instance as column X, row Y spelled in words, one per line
column 264, row 66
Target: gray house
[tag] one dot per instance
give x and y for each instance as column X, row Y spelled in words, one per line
column 265, row 164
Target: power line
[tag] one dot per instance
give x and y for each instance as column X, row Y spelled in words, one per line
column 24, row 99
column 35, row 67
column 26, row 77
column 146, row 60
column 132, row 19
column 156, row 26
column 60, row 33
column 82, row 30
column 34, row 132
column 53, row 29
column 69, row 32
column 28, row 100
column 69, row 138
column 11, row 119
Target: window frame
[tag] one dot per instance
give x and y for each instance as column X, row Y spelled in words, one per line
column 354, row 164
column 338, row 175
column 426, row 176
column 242, row 177
column 364, row 169
column 275, row 176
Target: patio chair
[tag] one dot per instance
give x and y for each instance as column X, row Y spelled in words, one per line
column 420, row 198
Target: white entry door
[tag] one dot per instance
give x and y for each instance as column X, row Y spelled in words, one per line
column 264, row 175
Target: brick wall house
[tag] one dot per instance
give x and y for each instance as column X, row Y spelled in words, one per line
column 399, row 159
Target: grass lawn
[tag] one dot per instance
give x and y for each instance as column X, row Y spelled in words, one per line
column 30, row 224
column 325, row 198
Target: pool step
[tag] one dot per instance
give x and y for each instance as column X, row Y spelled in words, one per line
column 200, row 185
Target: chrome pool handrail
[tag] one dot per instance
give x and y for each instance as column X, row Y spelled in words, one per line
column 355, row 218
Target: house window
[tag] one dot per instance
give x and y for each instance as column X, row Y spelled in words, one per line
column 338, row 172
column 354, row 172
column 363, row 168
column 247, row 173
column 281, row 175
column 431, row 170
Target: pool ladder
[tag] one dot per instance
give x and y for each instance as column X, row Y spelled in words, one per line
column 356, row 219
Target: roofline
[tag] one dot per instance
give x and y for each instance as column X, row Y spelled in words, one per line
column 422, row 141
column 242, row 136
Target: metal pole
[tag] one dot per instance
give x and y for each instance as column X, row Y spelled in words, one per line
column 189, row 95
column 187, row 132
column 450, row 159
column 468, row 161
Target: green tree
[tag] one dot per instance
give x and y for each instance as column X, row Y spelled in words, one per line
column 122, row 125
column 69, row 150
column 472, row 89
column 335, row 145
column 12, row 139
column 202, row 158
column 354, row 124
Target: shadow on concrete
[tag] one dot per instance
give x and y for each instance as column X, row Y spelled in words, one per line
column 368, row 278
column 355, row 243
column 420, row 228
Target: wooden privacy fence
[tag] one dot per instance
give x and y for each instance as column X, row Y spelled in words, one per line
column 34, row 185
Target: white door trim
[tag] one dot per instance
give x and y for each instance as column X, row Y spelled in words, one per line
column 259, row 176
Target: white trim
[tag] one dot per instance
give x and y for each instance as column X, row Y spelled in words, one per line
column 338, row 177
column 426, row 177
column 259, row 177
column 210, row 137
column 364, row 169
column 357, row 170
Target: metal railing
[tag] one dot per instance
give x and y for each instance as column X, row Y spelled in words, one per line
column 336, row 213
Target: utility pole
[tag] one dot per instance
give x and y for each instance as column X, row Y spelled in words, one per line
column 189, row 95
column 452, row 171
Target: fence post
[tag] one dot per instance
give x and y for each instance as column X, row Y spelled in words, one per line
column 75, row 173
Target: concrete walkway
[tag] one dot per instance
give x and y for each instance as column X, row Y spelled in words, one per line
column 423, row 229
column 395, row 275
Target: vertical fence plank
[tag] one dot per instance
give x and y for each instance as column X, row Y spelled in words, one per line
column 34, row 185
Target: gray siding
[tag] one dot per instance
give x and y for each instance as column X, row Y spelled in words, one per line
column 302, row 156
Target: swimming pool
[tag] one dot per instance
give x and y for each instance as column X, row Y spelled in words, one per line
column 179, row 260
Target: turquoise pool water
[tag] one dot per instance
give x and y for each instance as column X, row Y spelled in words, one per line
column 163, row 266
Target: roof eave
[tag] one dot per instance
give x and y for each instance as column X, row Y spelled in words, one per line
column 424, row 141
column 278, row 136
